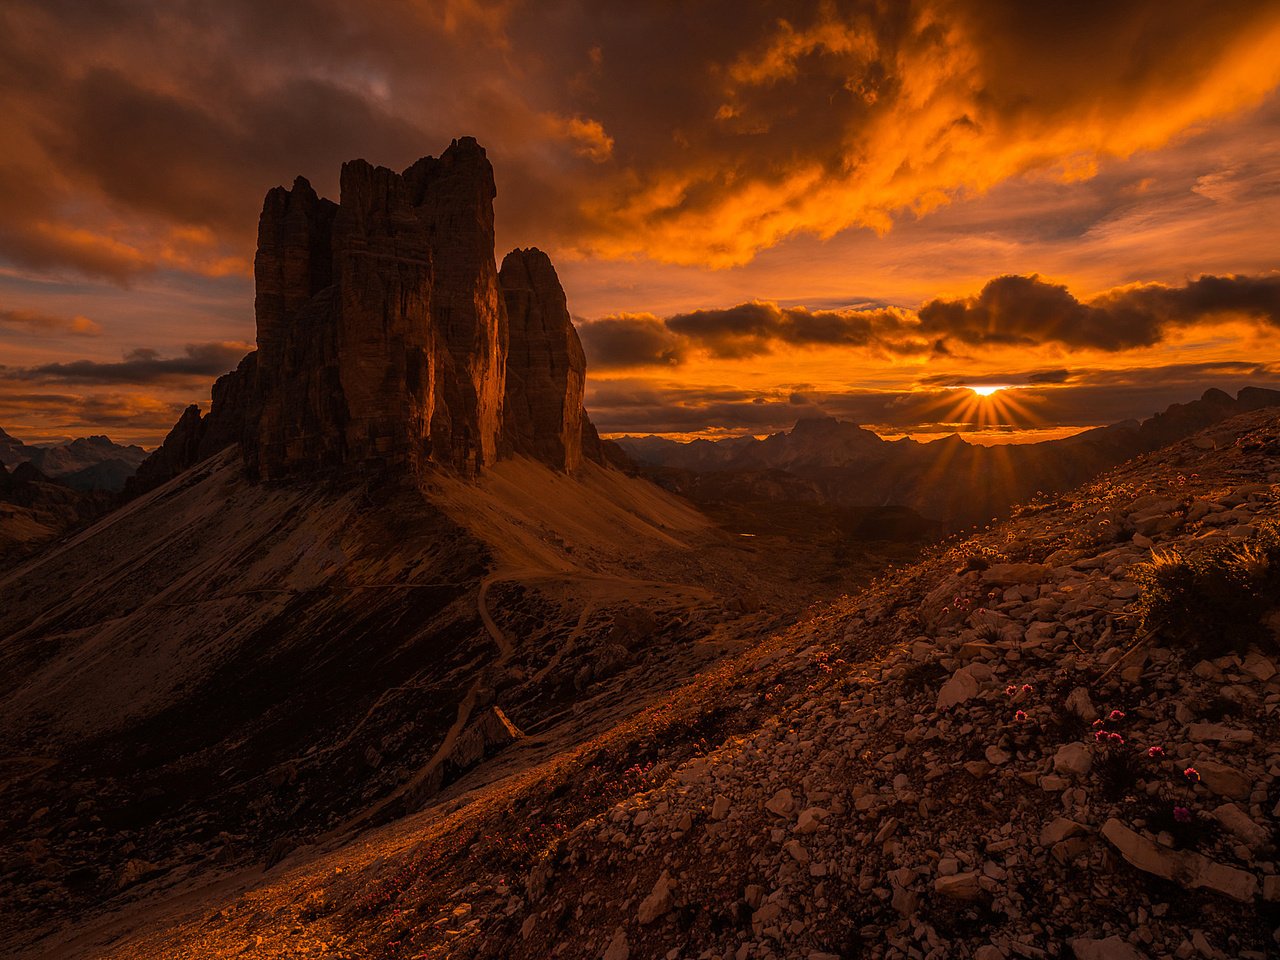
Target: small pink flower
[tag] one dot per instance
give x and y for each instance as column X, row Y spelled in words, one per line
column 1010, row 690
column 1115, row 715
column 1192, row 774
column 1115, row 738
column 1155, row 753
column 1097, row 723
column 1020, row 716
column 1182, row 814
column 1027, row 688
column 1099, row 736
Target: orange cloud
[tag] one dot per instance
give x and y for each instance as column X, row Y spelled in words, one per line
column 38, row 323
column 949, row 119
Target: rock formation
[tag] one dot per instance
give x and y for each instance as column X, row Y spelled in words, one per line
column 383, row 336
column 546, row 369
column 194, row 437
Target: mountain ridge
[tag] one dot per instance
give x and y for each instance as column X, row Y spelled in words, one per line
column 824, row 460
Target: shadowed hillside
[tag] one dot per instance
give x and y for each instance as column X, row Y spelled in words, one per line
column 1007, row 748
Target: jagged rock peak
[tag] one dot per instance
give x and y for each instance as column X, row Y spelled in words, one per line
column 392, row 353
column 546, row 367
column 383, row 336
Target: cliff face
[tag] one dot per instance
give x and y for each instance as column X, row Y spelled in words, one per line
column 383, row 336
column 546, row 368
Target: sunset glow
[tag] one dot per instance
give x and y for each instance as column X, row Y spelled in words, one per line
column 817, row 210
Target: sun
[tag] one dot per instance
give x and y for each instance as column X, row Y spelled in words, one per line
column 987, row 391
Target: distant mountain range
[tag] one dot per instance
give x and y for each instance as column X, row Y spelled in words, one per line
column 87, row 463
column 830, row 461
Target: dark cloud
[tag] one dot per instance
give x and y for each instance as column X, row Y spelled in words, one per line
column 142, row 366
column 752, row 329
column 1029, row 311
column 35, row 417
column 1009, row 311
column 630, row 340
column 746, row 330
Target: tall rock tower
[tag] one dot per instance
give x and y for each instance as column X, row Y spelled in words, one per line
column 383, row 337
column 546, row 368
column 381, row 331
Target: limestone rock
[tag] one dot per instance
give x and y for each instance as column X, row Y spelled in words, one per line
column 543, row 415
column 1242, row 826
column 1072, row 759
column 383, row 337
column 619, row 948
column 658, row 902
column 1112, row 948
column 960, row 886
column 1183, row 866
column 963, row 686
column 781, row 803
column 1224, row 780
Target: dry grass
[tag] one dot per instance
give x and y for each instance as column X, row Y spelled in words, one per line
column 1216, row 600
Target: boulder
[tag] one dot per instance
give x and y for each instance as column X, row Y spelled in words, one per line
column 659, row 900
column 959, row 886
column 1223, row 780
column 1073, row 759
column 1186, row 867
column 963, row 686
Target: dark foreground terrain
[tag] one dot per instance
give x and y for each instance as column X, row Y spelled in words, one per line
column 1032, row 743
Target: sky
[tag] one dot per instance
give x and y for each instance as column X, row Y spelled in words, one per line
column 759, row 212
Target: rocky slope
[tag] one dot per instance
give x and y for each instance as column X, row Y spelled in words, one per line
column 827, row 461
column 995, row 753
column 35, row 509
column 221, row 671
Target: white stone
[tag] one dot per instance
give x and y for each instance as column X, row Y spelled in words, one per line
column 810, row 820
column 960, row 886
column 1242, row 826
column 1059, row 829
column 963, row 686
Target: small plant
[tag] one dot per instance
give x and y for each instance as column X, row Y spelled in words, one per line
column 1118, row 767
column 1117, row 763
column 988, row 633
column 1188, row 828
column 973, row 556
column 1216, row 600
